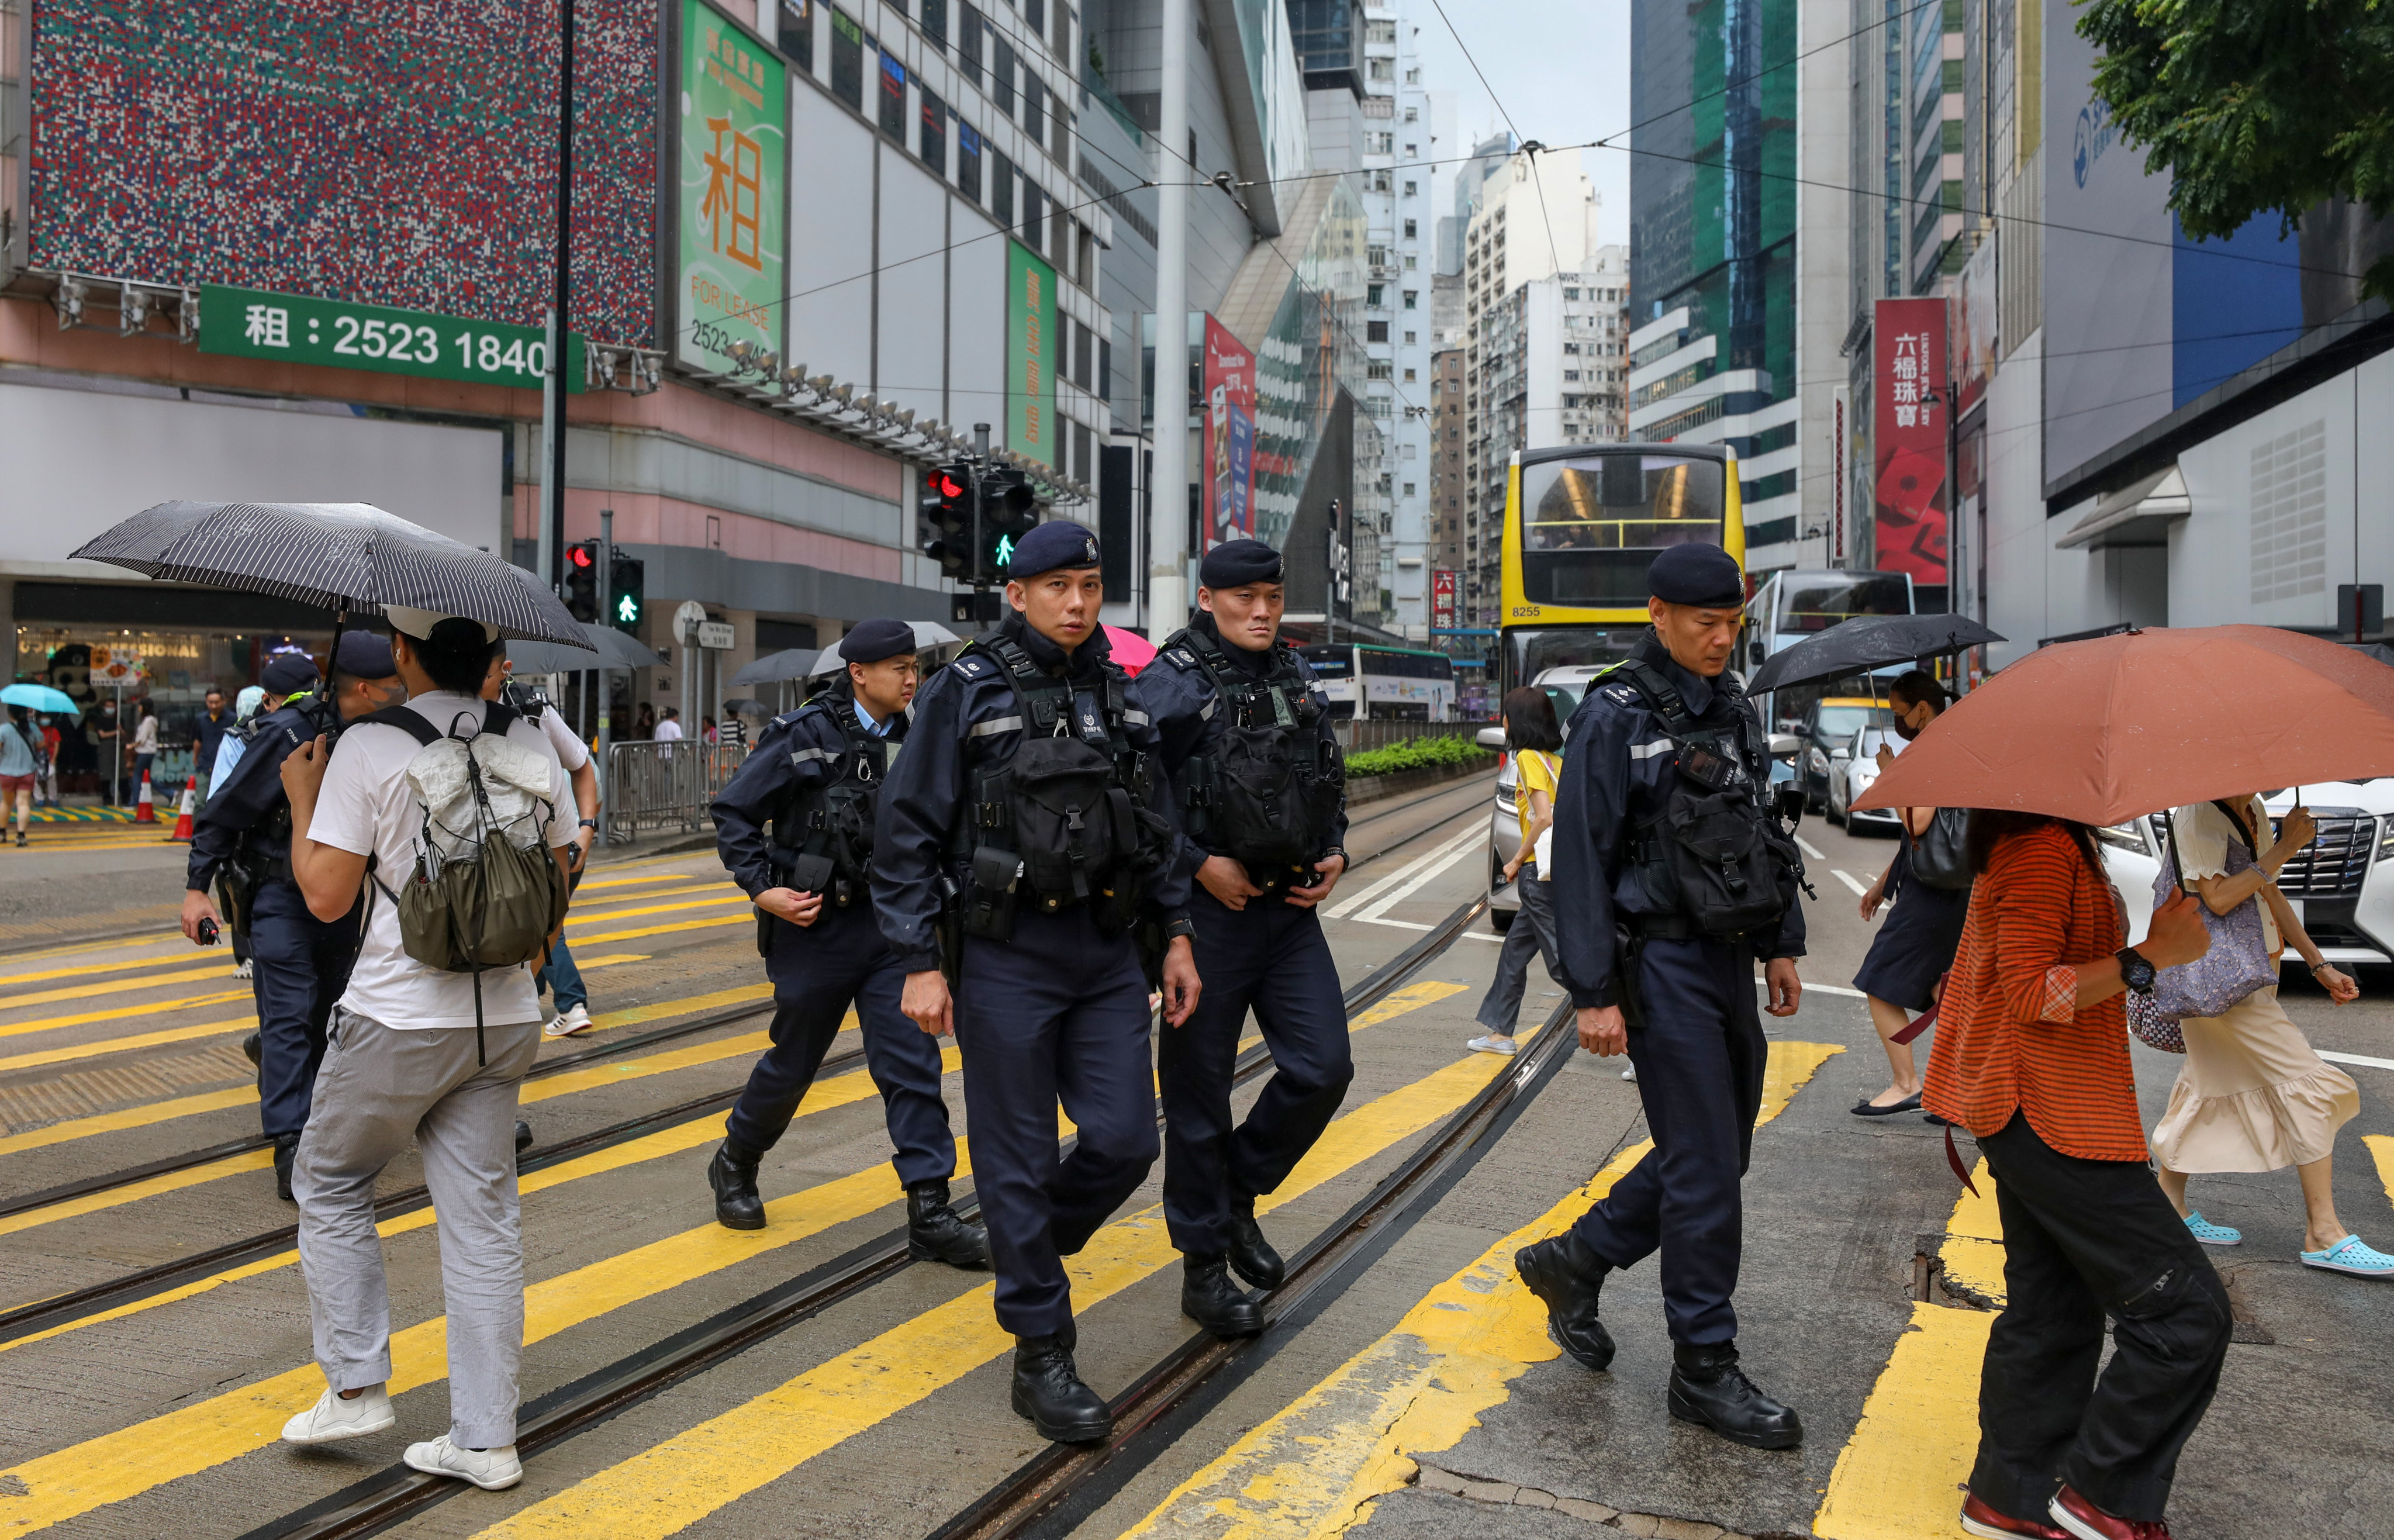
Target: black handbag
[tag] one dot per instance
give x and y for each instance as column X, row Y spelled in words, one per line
column 1941, row 856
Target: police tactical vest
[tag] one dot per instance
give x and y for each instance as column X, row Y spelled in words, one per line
column 823, row 839
column 1716, row 854
column 1268, row 794
column 1069, row 817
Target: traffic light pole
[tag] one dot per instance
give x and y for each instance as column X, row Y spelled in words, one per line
column 1168, row 525
column 606, row 674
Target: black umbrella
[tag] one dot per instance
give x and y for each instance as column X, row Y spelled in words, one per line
column 797, row 663
column 607, row 648
column 345, row 557
column 1867, row 643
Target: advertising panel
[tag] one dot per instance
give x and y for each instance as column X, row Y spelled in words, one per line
column 296, row 329
column 735, row 160
column 1909, row 496
column 1030, row 425
column 1230, row 444
column 407, row 155
column 1445, row 585
column 1974, row 328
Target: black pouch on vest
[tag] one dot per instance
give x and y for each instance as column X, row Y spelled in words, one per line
column 811, row 872
column 989, row 902
column 764, row 934
column 1064, row 819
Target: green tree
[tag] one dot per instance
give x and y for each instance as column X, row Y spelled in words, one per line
column 2255, row 105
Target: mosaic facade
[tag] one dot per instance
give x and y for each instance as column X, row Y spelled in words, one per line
column 395, row 151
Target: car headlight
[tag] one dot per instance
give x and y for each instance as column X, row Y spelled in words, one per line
column 1817, row 762
column 2386, row 839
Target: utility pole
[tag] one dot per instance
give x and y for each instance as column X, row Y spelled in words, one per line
column 1168, row 530
column 552, row 413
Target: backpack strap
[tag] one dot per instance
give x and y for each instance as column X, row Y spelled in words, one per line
column 407, row 721
column 1661, row 697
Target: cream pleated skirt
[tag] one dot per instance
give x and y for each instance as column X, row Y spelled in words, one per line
column 2252, row 1096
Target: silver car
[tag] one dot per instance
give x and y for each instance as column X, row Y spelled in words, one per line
column 1852, row 766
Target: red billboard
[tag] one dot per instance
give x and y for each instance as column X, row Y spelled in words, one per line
column 1229, row 445
column 1443, row 589
column 1908, row 431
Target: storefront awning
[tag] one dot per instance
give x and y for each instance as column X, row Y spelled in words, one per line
column 2138, row 514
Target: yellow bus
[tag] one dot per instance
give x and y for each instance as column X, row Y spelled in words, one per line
column 1581, row 524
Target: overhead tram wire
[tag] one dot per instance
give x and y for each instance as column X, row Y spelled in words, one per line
column 1529, row 147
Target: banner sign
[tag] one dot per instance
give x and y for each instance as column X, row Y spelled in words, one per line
column 335, row 334
column 734, row 163
column 1444, row 587
column 1030, row 340
column 1908, row 430
column 1230, row 444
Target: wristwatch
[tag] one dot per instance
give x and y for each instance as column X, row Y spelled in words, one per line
column 2137, row 973
column 589, row 824
column 1178, row 928
column 1337, row 850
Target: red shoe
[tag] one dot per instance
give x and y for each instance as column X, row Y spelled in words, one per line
column 1979, row 1520
column 2078, row 1517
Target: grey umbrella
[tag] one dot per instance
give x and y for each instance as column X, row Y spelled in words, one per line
column 928, row 634
column 607, row 648
column 342, row 556
column 796, row 663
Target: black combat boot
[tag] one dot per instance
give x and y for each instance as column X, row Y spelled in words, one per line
column 732, row 1174
column 523, row 1136
column 935, row 1232
column 1570, row 1278
column 251, row 1049
column 286, row 1150
column 1250, row 1253
column 1047, row 1390
column 1208, row 1298
column 1707, row 1386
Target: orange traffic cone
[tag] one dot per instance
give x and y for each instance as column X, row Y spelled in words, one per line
column 148, row 811
column 183, row 817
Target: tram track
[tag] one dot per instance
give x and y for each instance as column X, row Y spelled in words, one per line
column 399, row 1492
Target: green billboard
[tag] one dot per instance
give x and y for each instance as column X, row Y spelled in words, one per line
column 734, row 165
column 340, row 335
column 1031, row 428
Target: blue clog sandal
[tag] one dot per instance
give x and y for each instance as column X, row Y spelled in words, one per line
column 2349, row 1256
column 2211, row 1235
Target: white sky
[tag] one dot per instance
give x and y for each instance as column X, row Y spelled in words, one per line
column 1560, row 67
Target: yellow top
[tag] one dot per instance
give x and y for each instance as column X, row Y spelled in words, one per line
column 1539, row 772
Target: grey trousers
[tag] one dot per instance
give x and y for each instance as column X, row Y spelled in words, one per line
column 379, row 1090
column 1532, row 935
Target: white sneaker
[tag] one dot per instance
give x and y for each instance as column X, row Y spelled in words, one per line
column 576, row 1020
column 244, row 971
column 1630, row 1074
column 492, row 1469
column 1493, row 1045
column 333, row 1419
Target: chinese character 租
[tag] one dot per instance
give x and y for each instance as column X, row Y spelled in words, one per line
column 266, row 326
column 734, row 196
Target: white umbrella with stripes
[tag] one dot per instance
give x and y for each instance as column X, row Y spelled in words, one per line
column 349, row 557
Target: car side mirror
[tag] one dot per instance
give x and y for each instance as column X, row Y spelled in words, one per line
column 1490, row 737
column 1791, row 803
column 1783, row 746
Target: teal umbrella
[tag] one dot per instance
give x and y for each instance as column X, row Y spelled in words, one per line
column 40, row 697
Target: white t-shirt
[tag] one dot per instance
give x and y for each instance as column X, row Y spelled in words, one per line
column 669, row 731
column 572, row 752
column 366, row 807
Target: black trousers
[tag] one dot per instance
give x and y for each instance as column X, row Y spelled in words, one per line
column 818, row 971
column 1057, row 1014
column 1272, row 958
column 2084, row 1239
column 299, row 965
column 1700, row 1059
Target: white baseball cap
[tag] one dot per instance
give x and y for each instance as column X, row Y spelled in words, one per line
column 411, row 622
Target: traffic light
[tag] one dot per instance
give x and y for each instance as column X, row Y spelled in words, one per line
column 628, row 599
column 947, row 506
column 1008, row 511
column 582, row 580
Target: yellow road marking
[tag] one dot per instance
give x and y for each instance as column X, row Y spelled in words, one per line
column 115, row 986
column 626, row 882
column 718, row 886
column 230, row 1165
column 675, row 1483
column 1901, row 1475
column 660, row 929
column 194, row 1438
column 687, row 1006
column 130, row 1117
column 85, row 970
column 78, row 949
column 1317, row 1468
column 118, row 1013
column 119, row 1045
column 735, row 896
column 2381, row 1149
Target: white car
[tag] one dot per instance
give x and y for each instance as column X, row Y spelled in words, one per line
column 2342, row 884
column 1851, row 769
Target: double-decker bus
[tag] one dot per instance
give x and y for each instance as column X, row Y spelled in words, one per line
column 1581, row 524
column 1790, row 606
column 1372, row 683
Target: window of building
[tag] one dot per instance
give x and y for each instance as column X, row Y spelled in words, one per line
column 1570, row 373
column 1001, row 188
column 1408, row 485
column 796, row 26
column 1060, row 142
column 1034, row 215
column 1083, row 355
column 1084, row 257
column 1382, row 69
column 934, row 23
column 968, row 44
column 1412, row 114
column 1412, row 263
column 1570, row 346
column 1413, row 229
column 1376, row 256
column 847, row 60
column 967, row 161
column 1375, row 296
column 1380, row 143
column 932, row 144
column 1413, row 76
column 893, row 98
column 1409, row 338
column 1105, row 370
column 1413, row 190
column 1064, row 40
column 1377, row 368
column 1034, row 114
column 1380, row 31
column 1571, row 294
column 1409, row 377
column 1375, row 331
column 1001, row 76
column 1034, row 15
column 1412, row 298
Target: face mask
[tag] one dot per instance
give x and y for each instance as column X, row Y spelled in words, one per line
column 1903, row 728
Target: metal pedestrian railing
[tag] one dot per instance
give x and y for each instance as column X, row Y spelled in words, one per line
column 1354, row 737
column 655, row 787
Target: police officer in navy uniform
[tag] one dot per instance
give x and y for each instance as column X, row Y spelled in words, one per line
column 812, row 779
column 1257, row 776
column 1658, row 953
column 1027, row 811
column 300, row 964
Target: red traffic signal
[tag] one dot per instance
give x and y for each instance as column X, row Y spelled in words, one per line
column 580, row 556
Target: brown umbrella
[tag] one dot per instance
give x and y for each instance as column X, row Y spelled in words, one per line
column 2101, row 731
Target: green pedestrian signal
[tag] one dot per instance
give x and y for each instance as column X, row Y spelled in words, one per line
column 1004, row 550
column 628, row 610
column 1010, row 511
column 627, row 596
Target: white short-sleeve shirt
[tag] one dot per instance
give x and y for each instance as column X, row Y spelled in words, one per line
column 367, row 808
column 572, row 752
column 2203, row 835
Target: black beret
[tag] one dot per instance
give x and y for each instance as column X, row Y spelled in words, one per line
column 288, row 674
column 1238, row 561
column 1702, row 575
column 872, row 640
column 1060, row 544
column 364, row 655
